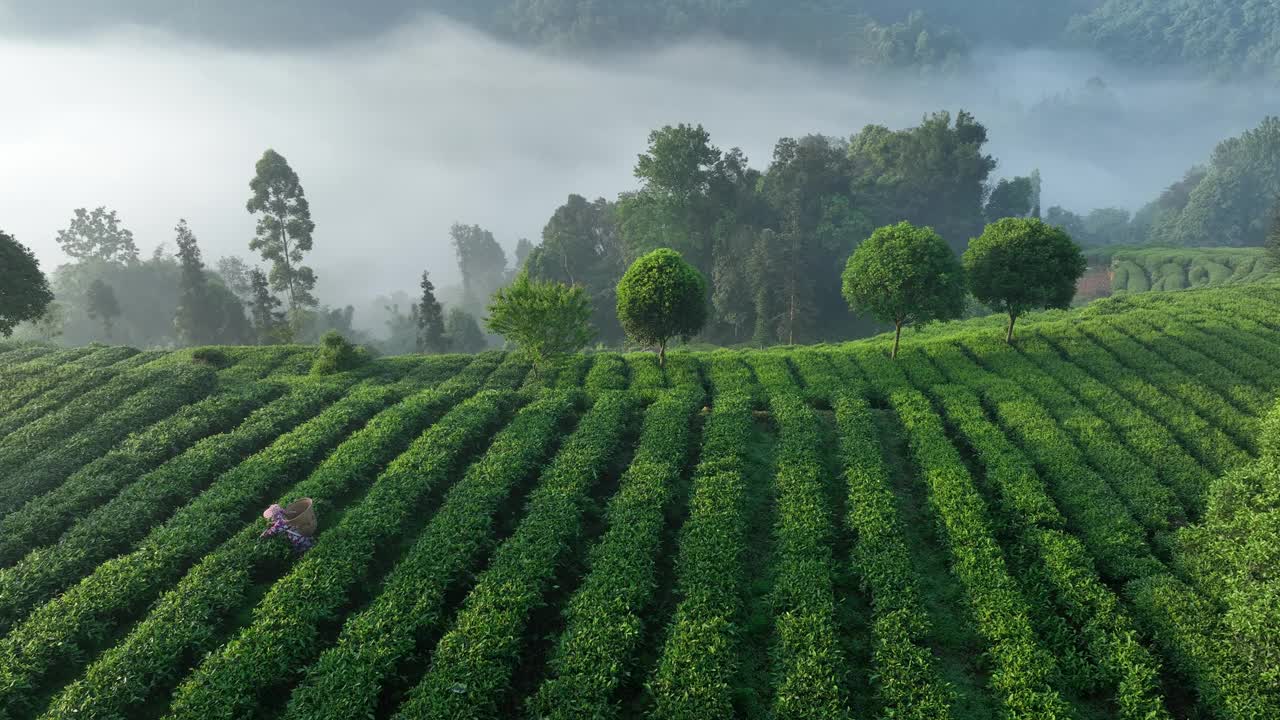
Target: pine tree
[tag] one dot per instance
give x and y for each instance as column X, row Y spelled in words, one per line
column 268, row 319
column 430, row 319
column 196, row 319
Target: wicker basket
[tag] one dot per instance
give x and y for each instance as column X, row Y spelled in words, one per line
column 301, row 516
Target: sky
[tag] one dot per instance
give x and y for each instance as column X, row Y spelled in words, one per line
column 399, row 132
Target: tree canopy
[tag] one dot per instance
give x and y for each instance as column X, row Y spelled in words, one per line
column 1227, row 37
column 98, row 235
column 283, row 235
column 905, row 275
column 1021, row 264
column 661, row 297
column 102, row 305
column 24, row 290
column 543, row 318
column 463, row 332
column 581, row 246
column 481, row 261
column 1229, row 200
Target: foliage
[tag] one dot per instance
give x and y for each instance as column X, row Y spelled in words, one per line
column 581, row 246
column 1227, row 202
column 543, row 319
column 268, row 321
column 336, row 354
column 842, row 32
column 1232, row 38
column 904, row 275
column 207, row 311
column 101, row 305
column 98, row 235
column 1010, row 199
column 211, row 356
column 481, row 261
column 1234, row 553
column 661, row 297
column 283, row 234
column 235, row 275
column 430, row 319
column 24, row 290
column 462, row 332
column 931, row 175
column 1023, row 264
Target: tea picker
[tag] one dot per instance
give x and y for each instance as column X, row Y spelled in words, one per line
column 297, row 521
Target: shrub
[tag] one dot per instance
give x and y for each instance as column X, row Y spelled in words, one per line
column 337, row 354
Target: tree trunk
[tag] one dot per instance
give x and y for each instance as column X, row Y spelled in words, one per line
column 897, row 336
column 1008, row 338
column 662, row 354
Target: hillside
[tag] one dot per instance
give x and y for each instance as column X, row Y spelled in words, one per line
column 975, row 531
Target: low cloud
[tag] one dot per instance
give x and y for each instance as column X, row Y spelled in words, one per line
column 396, row 138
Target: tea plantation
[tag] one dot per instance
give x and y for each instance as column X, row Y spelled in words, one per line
column 1048, row 530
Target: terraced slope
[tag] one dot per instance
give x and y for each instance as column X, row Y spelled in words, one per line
column 973, row 531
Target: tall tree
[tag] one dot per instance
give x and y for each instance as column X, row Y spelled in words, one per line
column 523, row 249
column 24, row 290
column 932, row 175
column 807, row 187
column 268, row 319
column 1020, row 264
column 102, row 305
column 430, row 319
column 905, row 275
column 672, row 208
column 284, row 229
column 1011, row 199
column 98, row 235
column 234, row 272
column 481, row 261
column 580, row 246
column 463, row 332
column 197, row 318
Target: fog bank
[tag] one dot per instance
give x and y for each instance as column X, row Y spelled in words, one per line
column 396, row 138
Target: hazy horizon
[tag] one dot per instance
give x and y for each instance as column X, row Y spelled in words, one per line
column 398, row 135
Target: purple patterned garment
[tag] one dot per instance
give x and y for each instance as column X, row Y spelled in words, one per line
column 275, row 513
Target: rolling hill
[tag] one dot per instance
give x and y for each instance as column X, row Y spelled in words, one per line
column 973, row 531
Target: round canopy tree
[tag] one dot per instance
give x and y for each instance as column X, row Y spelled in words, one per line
column 1023, row 264
column 904, row 275
column 24, row 290
column 661, row 297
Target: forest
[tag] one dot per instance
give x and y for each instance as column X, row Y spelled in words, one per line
column 1227, row 38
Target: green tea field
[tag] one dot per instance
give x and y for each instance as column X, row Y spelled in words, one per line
column 1072, row 527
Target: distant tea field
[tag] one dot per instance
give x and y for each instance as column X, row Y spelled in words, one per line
column 974, row 530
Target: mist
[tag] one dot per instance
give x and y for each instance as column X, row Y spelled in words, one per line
column 398, row 136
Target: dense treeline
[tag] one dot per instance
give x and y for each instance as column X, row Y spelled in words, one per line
column 771, row 242
column 1229, row 201
column 1228, row 37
